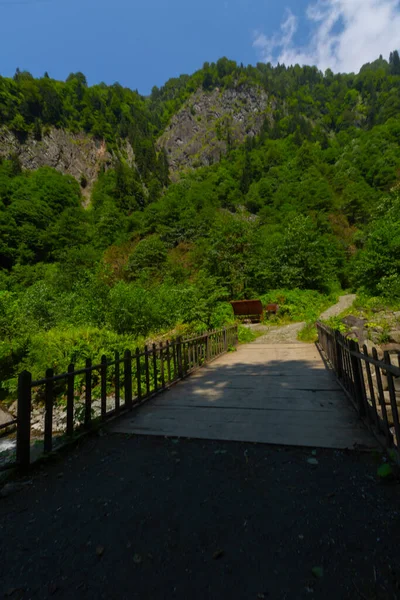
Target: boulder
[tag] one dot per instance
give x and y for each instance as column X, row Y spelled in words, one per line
column 391, row 348
column 394, row 336
column 5, row 417
column 375, row 334
column 13, row 408
column 351, row 335
column 352, row 321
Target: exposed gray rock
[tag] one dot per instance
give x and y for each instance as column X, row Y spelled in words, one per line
column 60, row 414
column 391, row 348
column 351, row 335
column 200, row 132
column 5, row 417
column 352, row 321
column 76, row 154
column 13, row 408
column 394, row 336
column 375, row 334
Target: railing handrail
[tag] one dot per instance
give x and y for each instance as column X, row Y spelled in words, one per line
column 376, row 362
column 140, row 375
column 368, row 382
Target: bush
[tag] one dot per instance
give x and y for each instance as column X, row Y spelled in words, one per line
column 299, row 305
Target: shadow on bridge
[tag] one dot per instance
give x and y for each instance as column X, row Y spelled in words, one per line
column 273, row 395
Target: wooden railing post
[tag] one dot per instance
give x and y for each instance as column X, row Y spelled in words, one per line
column 168, row 354
column 162, row 369
column 70, row 399
column 174, row 360
column 338, row 354
column 155, row 367
column 146, row 366
column 103, row 375
column 381, row 399
column 117, row 383
column 128, row 379
column 225, row 340
column 138, row 375
column 357, row 374
column 24, row 419
column 393, row 402
column 48, row 415
column 179, row 356
column 88, row 393
column 207, row 347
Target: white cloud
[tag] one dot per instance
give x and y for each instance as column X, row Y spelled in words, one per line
column 345, row 34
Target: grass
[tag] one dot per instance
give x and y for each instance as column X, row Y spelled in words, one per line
column 298, row 305
column 308, row 333
column 246, row 335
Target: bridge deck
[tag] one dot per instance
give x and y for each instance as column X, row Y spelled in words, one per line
column 274, row 394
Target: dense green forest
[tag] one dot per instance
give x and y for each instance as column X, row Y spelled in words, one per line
column 311, row 203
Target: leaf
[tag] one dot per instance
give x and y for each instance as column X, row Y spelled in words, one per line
column 218, row 554
column 220, row 451
column 318, row 572
column 137, row 559
column 312, row 461
column 385, row 471
column 100, row 550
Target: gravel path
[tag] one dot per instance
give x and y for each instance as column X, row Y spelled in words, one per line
column 149, row 518
column 344, row 302
column 287, row 334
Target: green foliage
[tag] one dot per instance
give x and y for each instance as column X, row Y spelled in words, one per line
column 376, row 266
column 385, row 472
column 247, row 335
column 336, row 323
column 59, row 347
column 308, row 333
column 298, row 305
column 40, row 213
column 307, row 206
column 148, row 258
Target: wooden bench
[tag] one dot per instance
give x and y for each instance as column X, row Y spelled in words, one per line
column 248, row 310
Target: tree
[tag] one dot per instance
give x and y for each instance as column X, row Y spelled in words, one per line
column 394, row 62
column 148, row 258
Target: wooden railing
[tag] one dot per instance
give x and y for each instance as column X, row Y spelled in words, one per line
column 370, row 383
column 98, row 392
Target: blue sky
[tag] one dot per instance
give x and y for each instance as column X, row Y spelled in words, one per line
column 141, row 44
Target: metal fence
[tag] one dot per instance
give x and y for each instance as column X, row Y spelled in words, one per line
column 99, row 392
column 371, row 382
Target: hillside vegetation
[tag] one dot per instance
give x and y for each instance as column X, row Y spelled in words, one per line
column 301, row 193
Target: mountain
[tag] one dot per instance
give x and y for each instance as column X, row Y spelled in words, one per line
column 123, row 215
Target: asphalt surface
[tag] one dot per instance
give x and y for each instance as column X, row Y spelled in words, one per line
column 129, row 517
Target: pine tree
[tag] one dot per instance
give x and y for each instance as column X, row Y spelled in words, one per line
column 394, row 62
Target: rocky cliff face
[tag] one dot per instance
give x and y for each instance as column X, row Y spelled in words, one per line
column 76, row 154
column 210, row 122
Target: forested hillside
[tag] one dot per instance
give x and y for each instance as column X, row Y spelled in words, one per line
column 279, row 178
